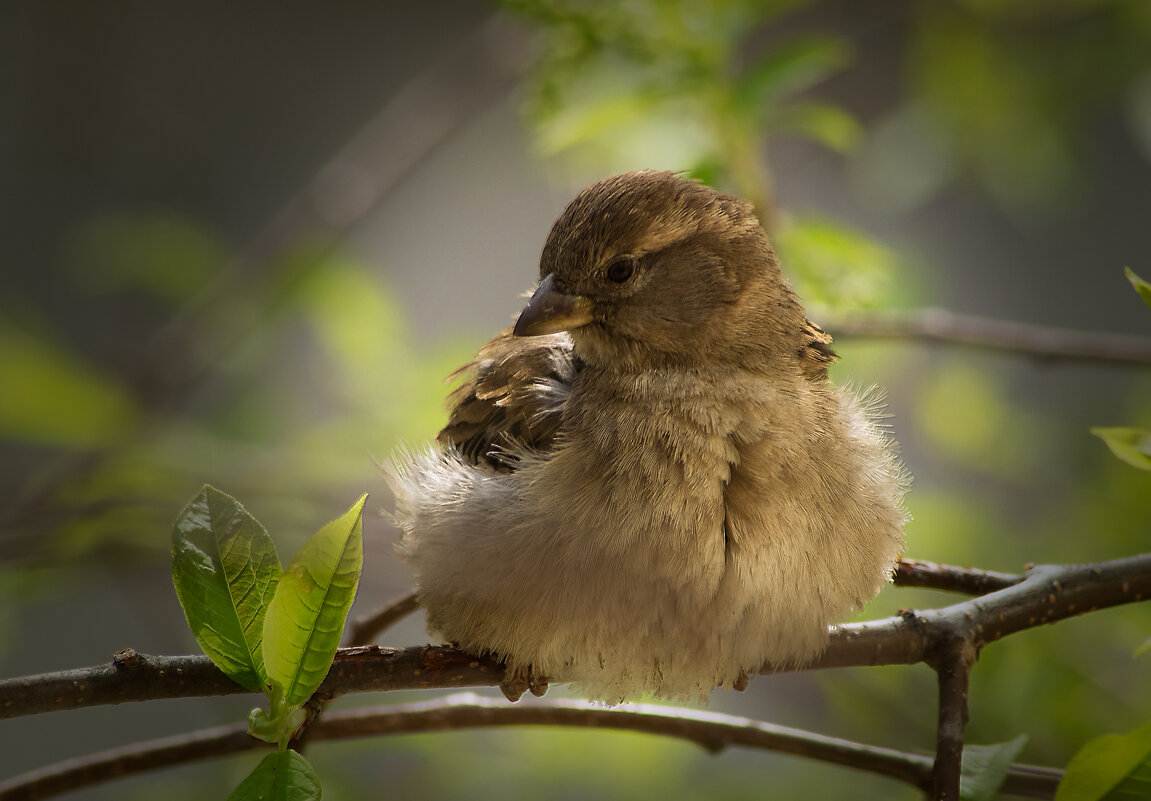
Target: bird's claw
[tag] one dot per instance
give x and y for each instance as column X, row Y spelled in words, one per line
column 518, row 679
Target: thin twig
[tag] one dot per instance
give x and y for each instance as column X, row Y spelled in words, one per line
column 709, row 730
column 954, row 669
column 952, row 328
column 969, row 581
column 368, row 628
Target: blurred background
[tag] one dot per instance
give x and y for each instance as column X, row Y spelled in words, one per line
column 245, row 243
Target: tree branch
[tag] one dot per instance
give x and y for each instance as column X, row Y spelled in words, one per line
column 952, row 328
column 127, row 761
column 1046, row 594
column 369, row 627
column 966, row 580
column 954, row 669
column 709, row 730
column 946, row 638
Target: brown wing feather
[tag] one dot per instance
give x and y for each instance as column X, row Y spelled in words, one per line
column 510, row 400
column 816, row 353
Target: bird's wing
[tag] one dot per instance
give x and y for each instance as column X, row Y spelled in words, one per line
column 511, row 399
column 816, row 353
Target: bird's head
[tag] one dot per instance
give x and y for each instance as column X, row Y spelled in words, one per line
column 649, row 269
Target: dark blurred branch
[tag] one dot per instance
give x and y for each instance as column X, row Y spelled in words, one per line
column 709, row 730
column 940, row 325
column 368, row 628
column 462, row 83
column 115, row 763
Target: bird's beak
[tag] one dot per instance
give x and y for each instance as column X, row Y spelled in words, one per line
column 550, row 311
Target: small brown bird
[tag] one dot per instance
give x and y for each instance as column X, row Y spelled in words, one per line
column 649, row 484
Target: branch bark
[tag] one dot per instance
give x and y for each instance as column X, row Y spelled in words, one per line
column 709, row 730
column 954, row 669
column 1046, row 594
column 966, row 580
column 946, row 638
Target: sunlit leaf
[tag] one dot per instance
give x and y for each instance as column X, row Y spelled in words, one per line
column 986, row 766
column 1115, row 767
column 352, row 313
column 282, row 776
column 1132, row 445
column 1141, row 286
column 306, row 617
column 225, row 570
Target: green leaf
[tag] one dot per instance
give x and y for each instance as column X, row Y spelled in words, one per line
column 1132, row 445
column 282, row 776
column 225, row 570
column 1115, row 767
column 1144, row 648
column 1141, row 286
column 306, row 617
column 986, row 766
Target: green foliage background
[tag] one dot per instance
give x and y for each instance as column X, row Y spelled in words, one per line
column 279, row 378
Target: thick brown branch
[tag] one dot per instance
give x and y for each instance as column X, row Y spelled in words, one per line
column 130, row 676
column 1046, row 594
column 710, row 730
column 952, row 328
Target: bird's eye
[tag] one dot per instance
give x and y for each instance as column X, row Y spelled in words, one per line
column 621, row 269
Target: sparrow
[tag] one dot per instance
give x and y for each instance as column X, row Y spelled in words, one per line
column 648, row 485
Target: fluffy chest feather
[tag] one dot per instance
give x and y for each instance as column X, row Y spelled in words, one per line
column 642, row 465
